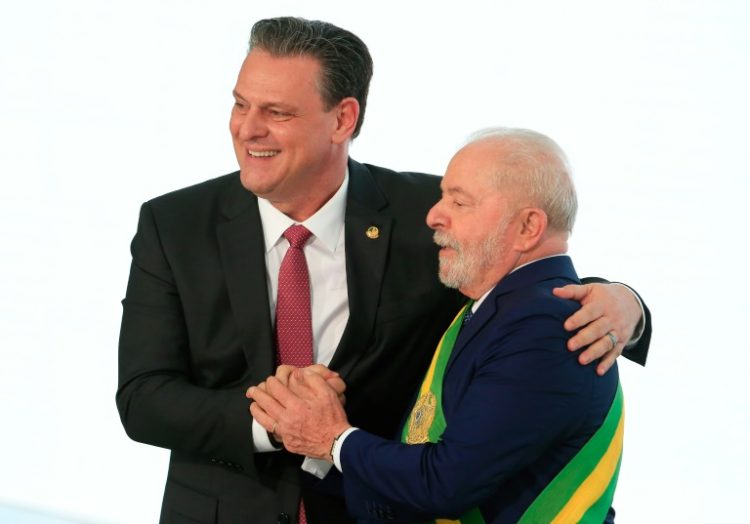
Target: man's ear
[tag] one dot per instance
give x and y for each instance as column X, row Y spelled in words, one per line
column 532, row 225
column 347, row 114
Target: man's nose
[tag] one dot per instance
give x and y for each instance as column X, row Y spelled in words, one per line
column 436, row 217
column 252, row 126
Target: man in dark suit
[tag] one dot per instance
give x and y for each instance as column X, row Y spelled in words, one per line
column 504, row 406
column 199, row 315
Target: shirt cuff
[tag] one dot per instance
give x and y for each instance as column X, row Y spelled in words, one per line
column 317, row 467
column 641, row 326
column 336, row 452
column 261, row 441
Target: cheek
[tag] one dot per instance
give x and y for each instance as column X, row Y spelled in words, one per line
column 234, row 126
column 469, row 238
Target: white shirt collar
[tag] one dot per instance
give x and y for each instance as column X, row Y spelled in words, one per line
column 325, row 224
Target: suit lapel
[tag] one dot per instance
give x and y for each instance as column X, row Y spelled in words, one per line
column 365, row 262
column 554, row 267
column 242, row 250
column 484, row 313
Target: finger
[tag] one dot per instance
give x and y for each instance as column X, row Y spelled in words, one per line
column 266, row 402
column 281, row 392
column 316, row 382
column 309, row 385
column 323, row 371
column 263, row 418
column 607, row 361
column 338, row 385
column 590, row 333
column 298, row 383
column 601, row 348
column 321, row 389
column 585, row 315
column 571, row 292
column 283, row 372
column 262, row 386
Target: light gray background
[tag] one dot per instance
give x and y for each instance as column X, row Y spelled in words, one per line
column 106, row 104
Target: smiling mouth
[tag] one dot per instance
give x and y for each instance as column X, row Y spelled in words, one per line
column 262, row 154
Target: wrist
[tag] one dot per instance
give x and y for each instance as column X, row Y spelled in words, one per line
column 338, row 446
column 335, row 442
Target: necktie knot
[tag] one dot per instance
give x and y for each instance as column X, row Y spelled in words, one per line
column 468, row 312
column 297, row 235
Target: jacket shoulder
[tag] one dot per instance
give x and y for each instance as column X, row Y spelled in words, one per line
column 407, row 188
column 202, row 192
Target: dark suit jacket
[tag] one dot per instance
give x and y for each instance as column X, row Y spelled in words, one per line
column 518, row 406
column 196, row 332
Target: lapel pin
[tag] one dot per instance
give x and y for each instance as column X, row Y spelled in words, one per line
column 372, row 232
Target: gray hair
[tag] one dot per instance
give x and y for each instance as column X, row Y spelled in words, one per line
column 535, row 163
column 345, row 61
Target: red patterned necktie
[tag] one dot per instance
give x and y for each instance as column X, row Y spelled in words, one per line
column 293, row 316
column 293, row 319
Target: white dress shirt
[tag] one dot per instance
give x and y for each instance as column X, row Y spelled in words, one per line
column 326, row 262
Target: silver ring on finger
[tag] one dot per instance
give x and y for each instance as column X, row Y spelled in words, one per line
column 613, row 339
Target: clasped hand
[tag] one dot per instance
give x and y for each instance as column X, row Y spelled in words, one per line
column 302, row 408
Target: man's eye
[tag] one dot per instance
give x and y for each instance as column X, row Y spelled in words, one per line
column 279, row 115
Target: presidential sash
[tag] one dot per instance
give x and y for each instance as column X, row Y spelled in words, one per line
column 584, row 488
column 426, row 423
column 581, row 492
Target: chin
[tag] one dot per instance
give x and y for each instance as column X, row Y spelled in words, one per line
column 247, row 181
column 252, row 181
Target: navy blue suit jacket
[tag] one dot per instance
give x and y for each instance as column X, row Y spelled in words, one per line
column 518, row 407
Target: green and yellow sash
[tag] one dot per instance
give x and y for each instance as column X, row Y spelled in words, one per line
column 581, row 492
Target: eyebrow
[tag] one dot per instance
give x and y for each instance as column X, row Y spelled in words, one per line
column 454, row 190
column 265, row 105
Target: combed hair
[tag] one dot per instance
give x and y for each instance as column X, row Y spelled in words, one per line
column 538, row 165
column 345, row 61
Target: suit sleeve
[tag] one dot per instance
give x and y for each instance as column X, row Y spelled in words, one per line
column 156, row 398
column 522, row 394
column 639, row 351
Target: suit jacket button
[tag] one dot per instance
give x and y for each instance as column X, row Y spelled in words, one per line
column 284, row 518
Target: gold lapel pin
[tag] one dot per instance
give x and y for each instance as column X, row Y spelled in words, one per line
column 372, row 232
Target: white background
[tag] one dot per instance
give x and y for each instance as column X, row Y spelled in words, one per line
column 106, row 104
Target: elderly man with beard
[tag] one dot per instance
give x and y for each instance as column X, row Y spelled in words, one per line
column 507, row 426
